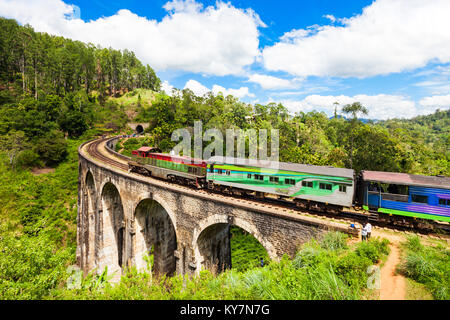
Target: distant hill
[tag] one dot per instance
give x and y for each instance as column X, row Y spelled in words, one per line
column 363, row 120
column 438, row 122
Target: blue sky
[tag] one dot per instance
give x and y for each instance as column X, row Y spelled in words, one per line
column 391, row 55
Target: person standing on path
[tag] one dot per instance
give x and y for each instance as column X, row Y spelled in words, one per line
column 368, row 230
column 364, row 233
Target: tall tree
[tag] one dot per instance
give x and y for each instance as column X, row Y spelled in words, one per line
column 354, row 109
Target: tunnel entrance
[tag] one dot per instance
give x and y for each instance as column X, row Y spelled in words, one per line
column 155, row 241
column 139, row 129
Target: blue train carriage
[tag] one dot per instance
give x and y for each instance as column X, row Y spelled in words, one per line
column 318, row 184
column 407, row 195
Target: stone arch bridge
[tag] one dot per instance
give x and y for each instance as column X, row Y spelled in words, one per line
column 122, row 217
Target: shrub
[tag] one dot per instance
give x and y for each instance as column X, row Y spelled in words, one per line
column 28, row 159
column 334, row 240
column 418, row 267
column 427, row 265
column 310, row 255
column 352, row 268
column 52, row 148
column 30, row 267
column 413, row 244
column 373, row 249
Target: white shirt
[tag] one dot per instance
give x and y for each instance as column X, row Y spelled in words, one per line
column 368, row 227
column 364, row 231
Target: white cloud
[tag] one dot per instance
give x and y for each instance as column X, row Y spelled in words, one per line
column 166, row 87
column 201, row 90
column 389, row 36
column 381, row 106
column 218, row 40
column 437, row 80
column 196, row 87
column 434, row 102
column 238, row 93
column 269, row 82
column 435, row 86
column 330, row 17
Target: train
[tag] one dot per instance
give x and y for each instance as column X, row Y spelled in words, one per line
column 398, row 198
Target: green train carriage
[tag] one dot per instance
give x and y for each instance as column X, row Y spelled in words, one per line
column 319, row 184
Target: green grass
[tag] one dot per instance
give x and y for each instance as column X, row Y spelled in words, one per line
column 318, row 272
column 427, row 265
column 131, row 98
column 417, row 291
column 38, row 229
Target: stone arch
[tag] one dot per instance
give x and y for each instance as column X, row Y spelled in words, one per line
column 248, row 227
column 211, row 242
column 90, row 219
column 154, row 234
column 112, row 248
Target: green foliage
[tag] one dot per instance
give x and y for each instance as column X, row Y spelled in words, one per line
column 38, row 238
column 58, row 66
column 337, row 274
column 334, row 240
column 52, row 148
column 30, row 266
column 429, row 266
column 373, row 250
column 73, row 122
column 28, row 159
column 246, row 251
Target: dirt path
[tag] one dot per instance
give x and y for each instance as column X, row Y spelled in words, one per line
column 393, row 286
column 38, row 171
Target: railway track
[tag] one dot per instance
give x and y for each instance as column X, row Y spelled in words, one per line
column 283, row 205
column 94, row 152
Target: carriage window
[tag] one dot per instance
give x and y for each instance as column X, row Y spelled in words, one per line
column 259, row 177
column 274, row 179
column 325, row 186
column 419, row 198
column 249, row 176
column 228, row 172
column 444, row 202
column 342, row 188
column 289, row 181
column 219, row 171
column 307, row 184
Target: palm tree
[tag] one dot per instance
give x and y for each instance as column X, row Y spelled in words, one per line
column 336, row 104
column 354, row 109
